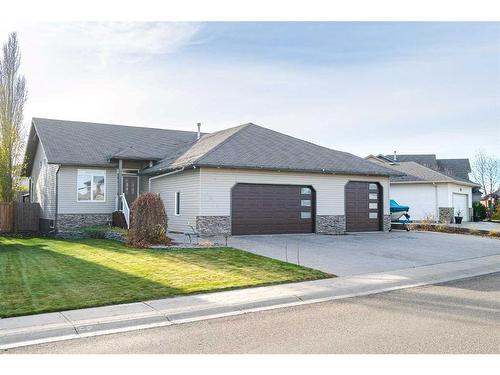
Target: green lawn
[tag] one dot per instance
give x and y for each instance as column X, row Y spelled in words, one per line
column 41, row 275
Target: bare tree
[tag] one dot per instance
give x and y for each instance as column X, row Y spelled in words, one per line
column 485, row 171
column 493, row 174
column 13, row 96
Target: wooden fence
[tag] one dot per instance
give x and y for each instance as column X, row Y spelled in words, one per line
column 19, row 217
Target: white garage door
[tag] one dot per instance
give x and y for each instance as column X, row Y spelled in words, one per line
column 460, row 202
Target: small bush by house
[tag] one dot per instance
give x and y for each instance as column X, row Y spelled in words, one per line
column 148, row 222
column 496, row 214
column 105, row 232
column 479, row 211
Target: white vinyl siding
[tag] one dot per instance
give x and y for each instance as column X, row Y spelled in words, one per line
column 67, row 197
column 424, row 200
column 43, row 178
column 187, row 183
column 421, row 198
column 217, row 183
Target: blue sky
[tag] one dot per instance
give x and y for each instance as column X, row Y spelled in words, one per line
column 357, row 87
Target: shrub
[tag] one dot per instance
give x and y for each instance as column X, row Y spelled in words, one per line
column 148, row 221
column 479, row 211
column 494, row 233
column 105, row 232
column 96, row 231
column 496, row 214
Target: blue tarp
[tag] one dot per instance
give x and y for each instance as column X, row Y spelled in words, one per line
column 395, row 207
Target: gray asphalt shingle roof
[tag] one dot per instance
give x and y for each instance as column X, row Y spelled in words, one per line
column 252, row 146
column 457, row 167
column 415, row 172
column 85, row 143
column 244, row 146
column 429, row 160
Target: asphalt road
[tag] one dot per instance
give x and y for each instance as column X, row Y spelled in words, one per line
column 456, row 317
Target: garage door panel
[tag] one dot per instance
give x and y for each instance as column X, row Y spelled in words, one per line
column 358, row 208
column 270, row 209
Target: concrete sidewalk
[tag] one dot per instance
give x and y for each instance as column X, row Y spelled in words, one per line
column 49, row 327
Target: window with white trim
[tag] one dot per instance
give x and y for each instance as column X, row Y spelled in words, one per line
column 177, row 203
column 91, row 185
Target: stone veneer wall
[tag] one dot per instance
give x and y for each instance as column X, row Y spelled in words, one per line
column 446, row 214
column 213, row 225
column 330, row 224
column 76, row 221
column 387, row 223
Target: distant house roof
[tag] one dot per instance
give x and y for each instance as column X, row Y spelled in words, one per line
column 244, row 146
column 459, row 168
column 429, row 160
column 494, row 195
column 415, row 172
column 252, row 146
column 93, row 144
column 456, row 167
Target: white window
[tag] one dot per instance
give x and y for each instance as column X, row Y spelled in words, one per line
column 177, row 203
column 373, row 196
column 372, row 215
column 91, row 185
column 373, row 206
column 373, row 187
column 305, row 215
column 305, row 202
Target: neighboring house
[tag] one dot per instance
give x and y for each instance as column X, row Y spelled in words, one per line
column 242, row 180
column 490, row 201
column 434, row 189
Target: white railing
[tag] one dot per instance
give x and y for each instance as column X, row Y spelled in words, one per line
column 125, row 210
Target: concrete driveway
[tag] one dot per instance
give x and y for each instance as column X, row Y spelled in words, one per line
column 354, row 254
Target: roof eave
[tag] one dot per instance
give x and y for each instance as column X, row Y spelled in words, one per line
column 324, row 171
column 471, row 184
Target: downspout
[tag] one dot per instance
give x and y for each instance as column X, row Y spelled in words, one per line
column 57, row 199
column 120, row 183
column 436, row 200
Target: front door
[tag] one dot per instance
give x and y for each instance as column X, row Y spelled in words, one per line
column 130, row 189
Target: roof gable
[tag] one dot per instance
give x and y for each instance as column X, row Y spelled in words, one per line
column 252, row 146
column 84, row 143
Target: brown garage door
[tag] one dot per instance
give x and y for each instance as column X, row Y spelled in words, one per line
column 363, row 206
column 272, row 209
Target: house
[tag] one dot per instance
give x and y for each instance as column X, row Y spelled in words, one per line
column 490, row 201
column 242, row 180
column 435, row 189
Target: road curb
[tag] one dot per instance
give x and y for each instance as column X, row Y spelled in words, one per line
column 181, row 310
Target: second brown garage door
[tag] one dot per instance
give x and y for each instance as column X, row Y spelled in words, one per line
column 363, row 206
column 272, row 209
